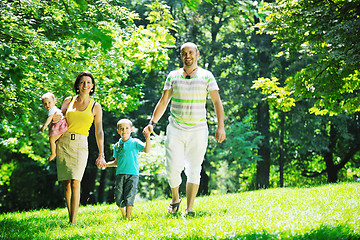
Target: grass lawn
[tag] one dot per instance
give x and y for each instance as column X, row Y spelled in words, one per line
column 325, row 212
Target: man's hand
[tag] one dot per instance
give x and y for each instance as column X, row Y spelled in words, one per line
column 220, row 135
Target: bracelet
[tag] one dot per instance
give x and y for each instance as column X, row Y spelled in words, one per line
column 152, row 123
column 102, row 155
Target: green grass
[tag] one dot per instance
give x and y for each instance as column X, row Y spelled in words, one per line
column 325, row 212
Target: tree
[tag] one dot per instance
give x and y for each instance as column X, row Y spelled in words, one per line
column 326, row 33
column 316, row 38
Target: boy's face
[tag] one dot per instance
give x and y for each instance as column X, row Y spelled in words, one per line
column 124, row 130
column 48, row 103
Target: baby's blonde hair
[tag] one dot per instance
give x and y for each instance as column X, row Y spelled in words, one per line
column 124, row 120
column 48, row 95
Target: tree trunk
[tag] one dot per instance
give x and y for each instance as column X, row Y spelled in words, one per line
column 331, row 168
column 281, row 149
column 263, row 166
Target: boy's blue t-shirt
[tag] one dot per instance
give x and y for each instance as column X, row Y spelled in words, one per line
column 127, row 154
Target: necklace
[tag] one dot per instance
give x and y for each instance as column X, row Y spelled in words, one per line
column 188, row 74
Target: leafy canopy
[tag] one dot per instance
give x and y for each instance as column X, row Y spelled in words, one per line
column 324, row 35
column 45, row 44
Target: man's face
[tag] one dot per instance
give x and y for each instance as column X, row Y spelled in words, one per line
column 189, row 56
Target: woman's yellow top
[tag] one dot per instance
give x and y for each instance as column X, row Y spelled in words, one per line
column 79, row 121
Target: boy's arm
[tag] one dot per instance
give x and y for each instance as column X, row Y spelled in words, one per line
column 47, row 122
column 112, row 163
column 147, row 147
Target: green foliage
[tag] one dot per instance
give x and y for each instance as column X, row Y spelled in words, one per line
column 234, row 156
column 29, row 186
column 242, row 142
column 327, row 212
column 152, row 169
column 277, row 97
column 46, row 44
column 324, row 32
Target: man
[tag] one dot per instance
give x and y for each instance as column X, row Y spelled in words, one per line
column 187, row 131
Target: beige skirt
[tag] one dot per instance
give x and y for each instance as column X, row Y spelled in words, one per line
column 72, row 155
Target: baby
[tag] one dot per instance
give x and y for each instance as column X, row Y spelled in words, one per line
column 56, row 129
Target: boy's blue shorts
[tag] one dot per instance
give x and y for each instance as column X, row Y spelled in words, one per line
column 126, row 189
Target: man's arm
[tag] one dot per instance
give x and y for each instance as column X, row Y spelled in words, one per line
column 220, row 134
column 160, row 108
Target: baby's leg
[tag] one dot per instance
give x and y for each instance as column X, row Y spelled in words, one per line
column 52, row 140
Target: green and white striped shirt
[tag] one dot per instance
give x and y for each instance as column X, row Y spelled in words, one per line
column 189, row 97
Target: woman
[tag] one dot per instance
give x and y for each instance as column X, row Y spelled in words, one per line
column 72, row 150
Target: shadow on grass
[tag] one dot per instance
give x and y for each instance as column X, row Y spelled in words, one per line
column 29, row 227
column 34, row 228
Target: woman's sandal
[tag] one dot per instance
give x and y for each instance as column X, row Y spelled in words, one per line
column 174, row 207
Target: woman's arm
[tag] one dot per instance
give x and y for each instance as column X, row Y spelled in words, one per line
column 64, row 108
column 99, row 134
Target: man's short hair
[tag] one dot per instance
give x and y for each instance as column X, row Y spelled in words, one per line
column 189, row 44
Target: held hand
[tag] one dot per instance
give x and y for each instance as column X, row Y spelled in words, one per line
column 148, row 130
column 220, row 135
column 100, row 162
column 56, row 117
column 43, row 129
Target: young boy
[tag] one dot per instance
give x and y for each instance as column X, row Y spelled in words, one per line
column 126, row 153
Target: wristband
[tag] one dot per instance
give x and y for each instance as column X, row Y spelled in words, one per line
column 152, row 123
column 102, row 155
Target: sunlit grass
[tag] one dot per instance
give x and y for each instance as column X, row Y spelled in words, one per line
column 326, row 212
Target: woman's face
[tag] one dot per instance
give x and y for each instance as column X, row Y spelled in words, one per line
column 85, row 84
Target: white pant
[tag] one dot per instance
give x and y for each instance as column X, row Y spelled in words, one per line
column 184, row 149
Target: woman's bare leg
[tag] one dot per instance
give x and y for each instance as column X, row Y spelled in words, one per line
column 67, row 193
column 75, row 199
